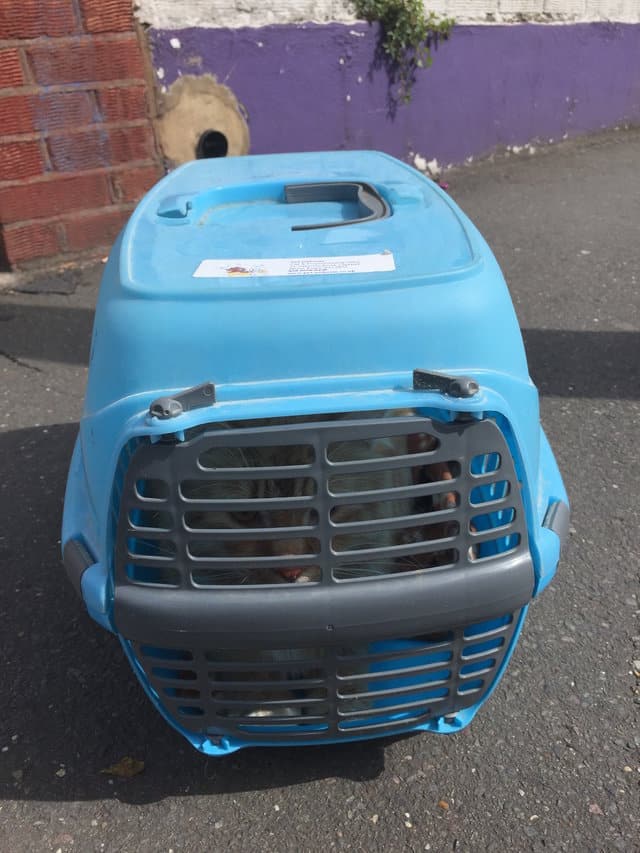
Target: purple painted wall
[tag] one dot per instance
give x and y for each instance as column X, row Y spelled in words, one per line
column 488, row 86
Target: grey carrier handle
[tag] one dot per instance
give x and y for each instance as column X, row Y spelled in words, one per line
column 371, row 203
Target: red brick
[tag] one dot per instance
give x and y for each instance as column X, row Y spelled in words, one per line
column 20, row 160
column 122, row 104
column 96, row 228
column 10, row 68
column 52, row 196
column 33, row 240
column 107, row 16
column 131, row 184
column 87, row 60
column 33, row 18
column 29, row 113
column 95, row 149
column 16, row 115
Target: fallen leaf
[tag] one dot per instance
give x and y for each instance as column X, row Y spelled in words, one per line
column 125, row 768
column 443, row 804
column 594, row 808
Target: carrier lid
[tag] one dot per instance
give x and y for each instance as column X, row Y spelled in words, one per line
column 254, row 224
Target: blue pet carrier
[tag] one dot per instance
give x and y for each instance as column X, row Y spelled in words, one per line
column 310, row 492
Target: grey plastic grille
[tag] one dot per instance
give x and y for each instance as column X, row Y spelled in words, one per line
column 329, row 692
column 339, row 499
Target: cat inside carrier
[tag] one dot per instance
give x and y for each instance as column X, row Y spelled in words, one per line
column 310, row 492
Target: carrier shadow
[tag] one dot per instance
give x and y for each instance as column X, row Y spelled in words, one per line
column 584, row 364
column 73, row 701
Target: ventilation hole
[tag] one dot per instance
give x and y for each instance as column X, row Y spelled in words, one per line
column 149, row 519
column 247, row 577
column 182, row 693
column 393, row 478
column 478, row 666
column 378, row 679
column 359, row 702
column 152, row 490
column 384, row 720
column 489, row 492
column 491, row 520
column 385, row 447
column 399, row 565
column 282, row 456
column 475, row 649
column 221, row 548
column 471, row 686
column 154, row 575
column 392, row 651
column 281, row 711
column 282, row 727
column 161, row 549
column 376, row 510
column 165, row 654
column 218, row 520
column 494, row 547
column 485, row 463
column 255, row 656
column 287, row 691
column 190, row 711
column 262, row 490
column 395, row 538
column 252, row 679
column 174, row 674
column 489, row 627
column 435, row 638
column 212, row 143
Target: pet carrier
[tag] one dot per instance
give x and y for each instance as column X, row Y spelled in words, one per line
column 310, row 492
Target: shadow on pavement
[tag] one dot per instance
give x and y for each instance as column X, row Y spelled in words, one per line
column 584, row 364
column 562, row 363
column 45, row 332
column 70, row 696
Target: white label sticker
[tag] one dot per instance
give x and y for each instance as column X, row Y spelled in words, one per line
column 252, row 267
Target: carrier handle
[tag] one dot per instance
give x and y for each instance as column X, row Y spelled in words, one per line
column 372, row 204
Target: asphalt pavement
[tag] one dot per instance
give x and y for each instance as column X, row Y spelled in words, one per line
column 550, row 763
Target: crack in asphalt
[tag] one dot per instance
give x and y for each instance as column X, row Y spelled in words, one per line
column 15, row 360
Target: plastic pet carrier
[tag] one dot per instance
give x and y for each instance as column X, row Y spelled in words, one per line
column 310, row 492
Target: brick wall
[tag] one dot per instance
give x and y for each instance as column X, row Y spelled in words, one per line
column 77, row 148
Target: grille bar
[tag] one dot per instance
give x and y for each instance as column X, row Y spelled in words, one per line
column 395, row 673
column 364, row 466
column 284, row 472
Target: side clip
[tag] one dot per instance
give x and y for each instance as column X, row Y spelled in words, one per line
column 452, row 386
column 197, row 397
column 557, row 518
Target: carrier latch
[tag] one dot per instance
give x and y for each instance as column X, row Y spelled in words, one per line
column 452, row 386
column 197, row 397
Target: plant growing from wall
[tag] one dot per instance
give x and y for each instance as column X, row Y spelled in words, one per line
column 406, row 37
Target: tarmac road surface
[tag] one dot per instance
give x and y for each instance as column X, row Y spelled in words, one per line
column 552, row 760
